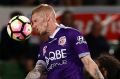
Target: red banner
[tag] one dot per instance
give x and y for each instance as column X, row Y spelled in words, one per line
column 111, row 30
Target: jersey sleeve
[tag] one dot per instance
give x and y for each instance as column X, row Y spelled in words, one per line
column 79, row 44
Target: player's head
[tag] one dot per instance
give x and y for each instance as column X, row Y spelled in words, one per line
column 67, row 18
column 96, row 28
column 43, row 18
column 108, row 64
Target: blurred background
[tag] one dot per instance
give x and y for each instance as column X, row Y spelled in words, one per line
column 98, row 20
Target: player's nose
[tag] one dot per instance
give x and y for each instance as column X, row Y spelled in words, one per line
column 33, row 25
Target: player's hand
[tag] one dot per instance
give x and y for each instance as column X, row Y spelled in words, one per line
column 34, row 74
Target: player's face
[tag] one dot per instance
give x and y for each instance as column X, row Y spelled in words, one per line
column 39, row 23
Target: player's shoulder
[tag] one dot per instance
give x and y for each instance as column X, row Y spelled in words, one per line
column 70, row 30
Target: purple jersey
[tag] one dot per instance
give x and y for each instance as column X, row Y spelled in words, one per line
column 62, row 53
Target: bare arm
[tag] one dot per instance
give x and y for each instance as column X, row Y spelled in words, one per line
column 37, row 71
column 92, row 67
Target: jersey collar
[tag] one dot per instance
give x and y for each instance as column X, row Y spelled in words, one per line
column 55, row 32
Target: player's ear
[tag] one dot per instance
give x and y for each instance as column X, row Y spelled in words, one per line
column 48, row 19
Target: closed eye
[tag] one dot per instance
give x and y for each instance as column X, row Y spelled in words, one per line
column 34, row 21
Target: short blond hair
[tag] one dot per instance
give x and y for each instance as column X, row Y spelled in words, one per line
column 44, row 9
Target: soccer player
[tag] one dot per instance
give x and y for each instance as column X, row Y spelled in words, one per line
column 64, row 53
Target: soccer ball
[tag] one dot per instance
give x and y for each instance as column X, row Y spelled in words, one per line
column 19, row 28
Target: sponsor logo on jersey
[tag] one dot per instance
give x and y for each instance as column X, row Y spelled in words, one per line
column 57, row 64
column 80, row 40
column 56, row 55
column 62, row 40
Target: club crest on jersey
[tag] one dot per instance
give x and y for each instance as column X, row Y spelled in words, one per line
column 62, row 40
column 44, row 50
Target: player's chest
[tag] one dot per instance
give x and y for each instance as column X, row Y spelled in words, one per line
column 58, row 45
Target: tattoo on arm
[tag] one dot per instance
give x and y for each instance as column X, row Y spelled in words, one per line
column 36, row 72
column 41, row 68
column 98, row 74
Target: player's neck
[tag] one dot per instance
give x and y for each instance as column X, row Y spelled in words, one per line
column 53, row 29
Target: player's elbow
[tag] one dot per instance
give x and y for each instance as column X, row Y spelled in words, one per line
column 89, row 64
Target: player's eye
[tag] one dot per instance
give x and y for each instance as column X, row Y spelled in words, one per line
column 35, row 21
